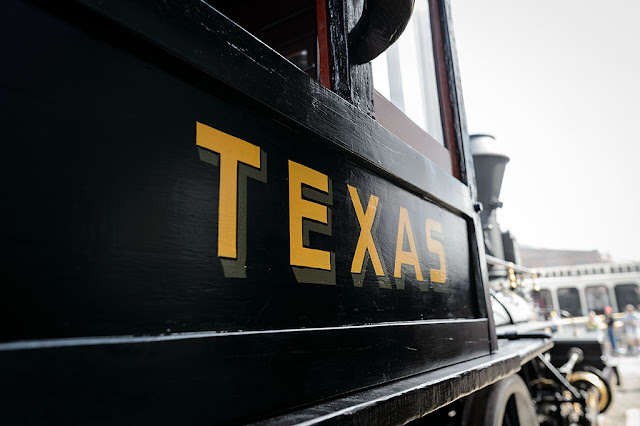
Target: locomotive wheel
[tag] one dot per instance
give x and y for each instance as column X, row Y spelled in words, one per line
column 608, row 380
column 505, row 403
column 593, row 377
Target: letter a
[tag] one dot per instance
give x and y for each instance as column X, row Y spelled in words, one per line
column 406, row 257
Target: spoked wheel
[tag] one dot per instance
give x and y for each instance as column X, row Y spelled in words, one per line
column 593, row 378
column 604, row 387
column 505, row 403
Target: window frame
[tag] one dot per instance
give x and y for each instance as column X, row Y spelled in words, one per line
column 398, row 123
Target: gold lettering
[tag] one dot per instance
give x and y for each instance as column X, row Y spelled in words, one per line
column 300, row 208
column 406, row 257
column 365, row 241
column 437, row 275
column 231, row 150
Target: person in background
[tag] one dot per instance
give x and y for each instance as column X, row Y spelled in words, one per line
column 553, row 317
column 609, row 320
column 630, row 320
column 595, row 323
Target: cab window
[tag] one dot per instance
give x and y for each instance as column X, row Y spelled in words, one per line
column 411, row 94
column 405, row 74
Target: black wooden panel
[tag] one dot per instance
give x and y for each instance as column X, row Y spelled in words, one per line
column 233, row 377
column 113, row 225
column 401, row 401
column 206, row 40
column 112, row 229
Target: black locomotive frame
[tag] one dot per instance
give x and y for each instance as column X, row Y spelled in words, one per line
column 87, row 320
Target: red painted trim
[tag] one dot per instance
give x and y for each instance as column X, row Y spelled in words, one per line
column 443, row 87
column 323, row 44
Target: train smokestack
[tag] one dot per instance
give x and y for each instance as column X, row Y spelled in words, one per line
column 490, row 161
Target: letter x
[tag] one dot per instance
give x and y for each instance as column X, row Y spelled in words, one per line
column 365, row 241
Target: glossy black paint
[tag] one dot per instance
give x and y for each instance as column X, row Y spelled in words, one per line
column 416, row 397
column 338, row 44
column 113, row 225
column 219, row 379
column 130, row 237
column 379, row 26
column 204, row 40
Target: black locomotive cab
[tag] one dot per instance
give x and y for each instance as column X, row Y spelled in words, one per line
column 219, row 212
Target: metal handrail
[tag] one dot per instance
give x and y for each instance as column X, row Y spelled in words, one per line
column 492, row 260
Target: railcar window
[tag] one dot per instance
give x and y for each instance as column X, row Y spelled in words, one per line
column 407, row 91
column 406, row 74
column 627, row 294
column 569, row 300
column 597, row 298
column 542, row 298
column 287, row 26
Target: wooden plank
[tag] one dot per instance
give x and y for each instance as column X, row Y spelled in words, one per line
column 209, row 42
column 220, row 378
column 405, row 400
column 130, row 240
column 114, row 227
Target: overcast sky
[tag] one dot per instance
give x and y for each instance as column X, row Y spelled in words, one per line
column 558, row 83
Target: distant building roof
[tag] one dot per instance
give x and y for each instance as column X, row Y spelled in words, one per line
column 537, row 257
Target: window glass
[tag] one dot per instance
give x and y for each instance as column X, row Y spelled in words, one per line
column 405, row 74
column 569, row 300
column 627, row 294
column 542, row 298
column 597, row 298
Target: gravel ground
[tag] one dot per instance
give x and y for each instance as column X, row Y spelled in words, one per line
column 627, row 396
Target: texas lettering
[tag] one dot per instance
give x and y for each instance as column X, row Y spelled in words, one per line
column 310, row 195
